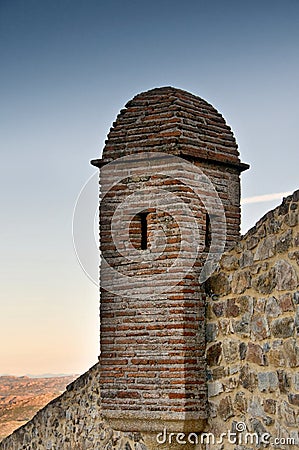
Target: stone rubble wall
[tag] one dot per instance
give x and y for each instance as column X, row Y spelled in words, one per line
column 73, row 421
column 252, row 331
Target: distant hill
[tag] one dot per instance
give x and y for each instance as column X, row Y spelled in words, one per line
column 22, row 397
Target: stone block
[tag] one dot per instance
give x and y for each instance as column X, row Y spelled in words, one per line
column 219, row 372
column 267, row 381
column 260, row 305
column 265, row 249
column 213, row 354
column 296, row 320
column 229, row 262
column 218, row 284
column 284, row 381
column 240, row 282
column 296, row 381
column 245, row 303
column 272, row 308
column 265, row 283
column 255, row 408
column 273, row 226
column 218, row 308
column 291, row 351
column 292, row 218
column 294, row 399
column 258, row 427
column 242, row 327
column 232, row 308
column 213, row 409
column 248, row 378
column 231, row 351
column 276, row 357
column 211, row 332
column 246, row 259
column 225, row 408
column 252, row 242
column 242, row 350
column 255, row 354
column 285, row 302
column 284, row 241
column 259, row 327
column 282, row 328
column 270, row 406
column 240, row 402
column 286, row 277
column 214, row 388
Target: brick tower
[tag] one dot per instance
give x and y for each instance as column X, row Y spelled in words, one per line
column 170, row 193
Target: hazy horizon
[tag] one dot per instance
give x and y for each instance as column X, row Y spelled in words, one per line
column 43, row 375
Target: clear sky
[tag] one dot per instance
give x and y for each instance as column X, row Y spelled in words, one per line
column 67, row 68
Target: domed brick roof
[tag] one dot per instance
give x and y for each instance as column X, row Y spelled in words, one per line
column 174, row 121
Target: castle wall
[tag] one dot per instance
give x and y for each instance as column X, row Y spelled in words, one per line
column 73, row 421
column 252, row 354
column 252, row 331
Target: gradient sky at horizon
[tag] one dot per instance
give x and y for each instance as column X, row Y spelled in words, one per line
column 67, row 68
